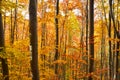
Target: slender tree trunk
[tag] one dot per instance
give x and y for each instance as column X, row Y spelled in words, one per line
column 109, row 35
column 87, row 69
column 43, row 36
column 57, row 37
column 118, row 44
column 4, row 22
column 11, row 28
column 33, row 38
column 15, row 22
column 114, row 58
column 64, row 66
column 117, row 32
column 102, row 48
column 64, row 38
column 117, row 55
column 110, row 52
column 5, row 70
column 105, row 17
column 91, row 38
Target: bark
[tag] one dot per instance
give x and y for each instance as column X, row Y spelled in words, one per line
column 43, row 37
column 12, row 28
column 117, row 55
column 57, row 37
column 33, row 38
column 87, row 37
column 110, row 52
column 118, row 51
column 15, row 22
column 102, row 48
column 5, row 70
column 91, row 38
column 4, row 22
column 118, row 37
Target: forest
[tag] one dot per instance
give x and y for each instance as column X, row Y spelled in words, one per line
column 59, row 39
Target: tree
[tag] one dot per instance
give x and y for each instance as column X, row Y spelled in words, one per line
column 2, row 46
column 117, row 32
column 87, row 34
column 110, row 52
column 57, row 37
column 43, row 36
column 91, row 38
column 15, row 21
column 33, row 38
column 12, row 28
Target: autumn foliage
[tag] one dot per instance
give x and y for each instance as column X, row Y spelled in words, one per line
column 63, row 30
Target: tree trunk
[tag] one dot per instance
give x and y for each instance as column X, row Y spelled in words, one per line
column 2, row 46
column 117, row 32
column 43, row 36
column 15, row 22
column 117, row 73
column 87, row 69
column 102, row 48
column 110, row 53
column 33, row 38
column 12, row 28
column 91, row 38
column 118, row 54
column 57, row 37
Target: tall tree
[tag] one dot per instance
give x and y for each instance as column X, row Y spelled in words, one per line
column 87, row 35
column 117, row 32
column 13, row 25
column 91, row 38
column 33, row 38
column 2, row 46
column 57, row 36
column 15, row 21
column 12, row 29
column 110, row 52
column 43, row 35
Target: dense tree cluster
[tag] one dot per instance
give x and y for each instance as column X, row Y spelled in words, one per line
column 59, row 39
